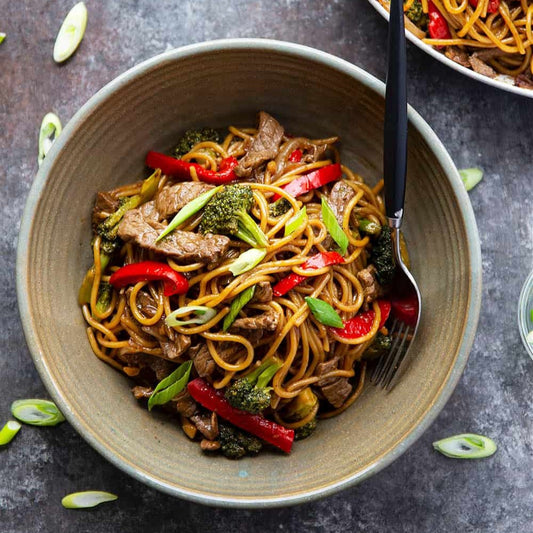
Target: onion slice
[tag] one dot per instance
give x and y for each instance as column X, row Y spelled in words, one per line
column 89, row 498
column 466, row 446
column 37, row 412
column 71, row 33
column 49, row 132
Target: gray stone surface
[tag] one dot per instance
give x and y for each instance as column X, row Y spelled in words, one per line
column 420, row 492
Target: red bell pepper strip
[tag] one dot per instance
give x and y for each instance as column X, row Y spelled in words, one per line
column 315, row 262
column 406, row 309
column 493, row 5
column 181, row 169
column 173, row 282
column 312, row 180
column 437, row 25
column 361, row 324
column 257, row 425
column 296, row 156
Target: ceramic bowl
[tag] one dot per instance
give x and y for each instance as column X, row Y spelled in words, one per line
column 217, row 84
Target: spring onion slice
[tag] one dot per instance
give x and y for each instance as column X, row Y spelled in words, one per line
column 295, row 222
column 238, row 303
column 247, row 260
column 333, row 227
column 89, row 498
column 8, row 432
column 188, row 211
column 324, row 312
column 205, row 314
column 49, row 132
column 529, row 337
column 71, row 33
column 2, row 37
column 170, row 386
column 37, row 412
column 466, row 446
column 471, row 177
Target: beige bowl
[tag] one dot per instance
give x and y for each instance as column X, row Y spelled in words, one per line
column 216, row 84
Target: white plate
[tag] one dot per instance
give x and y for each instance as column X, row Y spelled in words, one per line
column 501, row 82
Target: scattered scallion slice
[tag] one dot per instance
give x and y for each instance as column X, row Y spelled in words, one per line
column 247, row 260
column 2, row 37
column 71, row 33
column 188, row 211
column 324, row 312
column 170, row 386
column 369, row 227
column 529, row 337
column 8, row 432
column 471, row 177
column 466, row 446
column 37, row 412
column 333, row 227
column 238, row 303
column 89, row 498
column 205, row 314
column 49, row 132
column 295, row 222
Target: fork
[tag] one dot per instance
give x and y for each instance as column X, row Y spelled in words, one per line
column 405, row 292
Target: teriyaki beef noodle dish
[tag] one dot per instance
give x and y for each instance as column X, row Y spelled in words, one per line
column 243, row 285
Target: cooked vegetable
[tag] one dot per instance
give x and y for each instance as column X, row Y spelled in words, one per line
column 306, row 430
column 193, row 137
column 170, row 386
column 361, row 324
column 382, row 256
column 333, row 227
column 416, row 14
column 37, row 412
column 324, row 312
column 279, row 207
column 381, row 345
column 296, row 156
column 466, row 446
column 491, row 8
column 71, row 33
column 48, row 133
column 236, row 305
column 296, row 221
column 2, row 37
column 405, row 308
column 369, row 227
column 235, row 444
column 86, row 499
column 105, row 294
column 8, row 432
column 301, row 406
column 437, row 26
column 312, row 180
column 471, row 177
column 205, row 314
column 247, row 260
column 84, row 294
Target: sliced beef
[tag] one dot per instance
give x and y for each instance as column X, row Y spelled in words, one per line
column 185, row 405
column 142, row 392
column 334, row 389
column 207, row 425
column 371, row 287
column 481, row 67
column 150, row 213
column 160, row 367
column 173, row 349
column 489, row 53
column 263, row 147
column 203, row 362
column 458, row 55
column 311, row 153
column 183, row 246
column 262, row 293
column 524, row 80
column 172, row 198
column 105, row 204
column 145, row 303
column 267, row 321
column 340, row 195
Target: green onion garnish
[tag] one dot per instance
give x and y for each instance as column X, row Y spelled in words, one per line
column 71, row 33
column 170, row 386
column 471, row 177
column 37, row 412
column 247, row 260
column 369, row 227
column 529, row 337
column 324, row 312
column 333, row 227
column 188, row 211
column 8, row 432
column 238, row 303
column 89, row 498
column 49, row 132
column 466, row 446
column 204, row 314
column 2, row 37
column 295, row 222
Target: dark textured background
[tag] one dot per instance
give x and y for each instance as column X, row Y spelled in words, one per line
column 422, row 491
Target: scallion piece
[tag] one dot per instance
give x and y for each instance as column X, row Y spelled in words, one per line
column 71, row 33
column 49, row 132
column 324, row 312
column 170, row 386
column 205, row 314
column 529, row 337
column 247, row 260
column 89, row 498
column 369, row 227
column 238, row 303
column 8, row 432
column 466, row 446
column 37, row 412
column 471, row 177
column 333, row 227
column 188, row 211
column 295, row 222
column 2, row 37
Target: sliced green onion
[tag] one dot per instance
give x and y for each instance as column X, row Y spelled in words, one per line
column 333, row 227
column 369, row 227
column 529, row 337
column 324, row 312
column 170, row 386
column 247, row 260
column 471, row 177
column 466, row 446
column 8, row 432
column 89, row 498
column 188, row 211
column 238, row 303
column 2, row 37
column 295, row 222
column 531, row 315
column 71, row 33
column 37, row 412
column 49, row 132
column 205, row 314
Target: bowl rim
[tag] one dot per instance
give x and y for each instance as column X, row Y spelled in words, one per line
column 313, row 55
column 498, row 83
column 523, row 312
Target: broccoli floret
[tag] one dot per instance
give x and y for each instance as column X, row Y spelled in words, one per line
column 416, row 15
column 382, row 344
column 279, row 207
column 105, row 293
column 192, row 138
column 251, row 392
column 302, row 405
column 227, row 214
column 369, row 227
column 382, row 256
column 306, row 430
column 235, row 444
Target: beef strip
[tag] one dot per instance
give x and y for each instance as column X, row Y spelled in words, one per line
column 371, row 287
column 481, row 67
column 150, row 213
column 341, row 193
column 262, row 293
column 105, row 204
column 267, row 321
column 524, row 80
column 145, row 303
column 185, row 405
column 207, row 425
column 183, row 246
column 203, row 362
column 334, row 389
column 170, row 199
column 142, row 392
column 263, row 147
column 159, row 366
column 458, row 55
column 172, row 350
